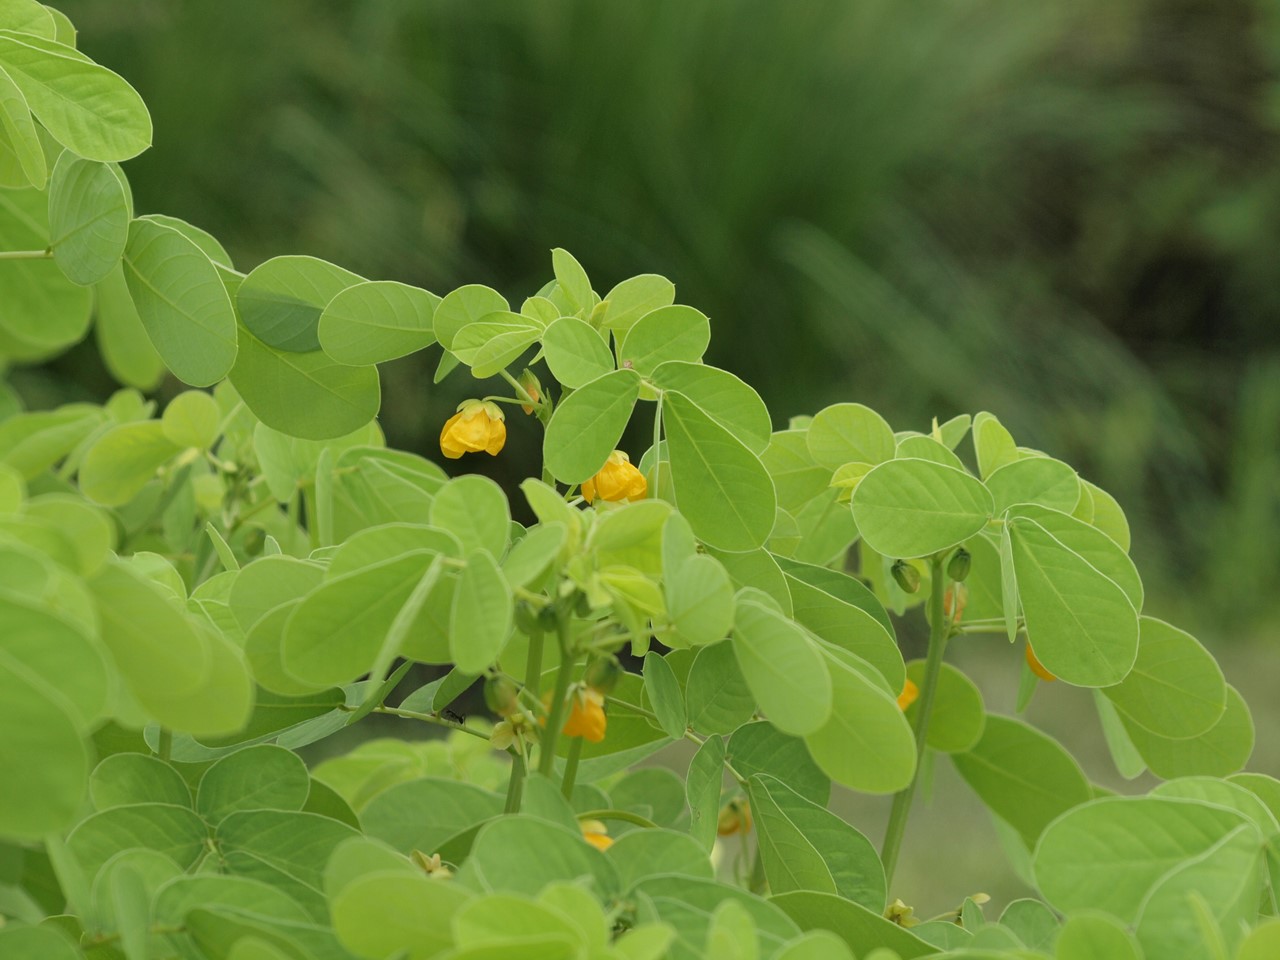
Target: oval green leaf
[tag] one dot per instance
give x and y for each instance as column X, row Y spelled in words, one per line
column 914, row 508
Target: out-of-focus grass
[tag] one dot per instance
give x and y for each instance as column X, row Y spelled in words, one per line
column 1064, row 212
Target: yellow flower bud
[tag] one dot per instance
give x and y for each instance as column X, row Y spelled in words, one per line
column 529, row 381
column 478, row 425
column 586, row 714
column 735, row 817
column 1037, row 667
column 618, row 479
column 908, row 695
column 594, row 832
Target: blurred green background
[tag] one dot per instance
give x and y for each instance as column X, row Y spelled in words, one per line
column 1065, row 212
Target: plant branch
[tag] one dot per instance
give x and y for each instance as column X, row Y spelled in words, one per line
column 430, row 718
column 45, row 254
column 939, row 629
column 555, row 719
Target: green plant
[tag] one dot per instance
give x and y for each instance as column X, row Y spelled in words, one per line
column 188, row 599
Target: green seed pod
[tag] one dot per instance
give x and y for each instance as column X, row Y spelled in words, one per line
column 907, row 576
column 603, row 673
column 958, row 568
column 548, row 617
column 501, row 696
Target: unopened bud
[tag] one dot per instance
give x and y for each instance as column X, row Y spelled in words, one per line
column 907, row 576
column 603, row 673
column 958, row 568
column 501, row 696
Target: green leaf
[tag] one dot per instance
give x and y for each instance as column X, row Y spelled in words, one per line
column 1175, row 689
column 207, row 242
column 281, row 300
column 124, row 460
column 304, row 394
column 785, row 672
column 862, row 929
column 958, row 716
column 1024, row 776
column 575, row 353
column 1221, row 750
column 480, row 621
column 44, row 312
column 494, row 341
column 423, row 814
column 849, row 433
column 1032, row 923
column 795, row 475
column 286, row 849
column 992, row 444
column 86, row 107
column 463, row 306
column 124, row 779
column 1107, row 515
column 867, row 743
column 1095, row 936
column 269, row 582
column 920, row 447
column 721, row 396
column 1103, row 553
column 1040, row 480
column 175, row 832
column 520, row 854
column 702, row 787
column 1124, row 754
column 914, row 508
column 1262, row 943
column 761, row 748
column 806, row 847
column 1081, row 624
column 665, row 695
column 475, row 510
column 192, row 419
column 721, row 487
column 337, row 630
column 691, row 905
column 572, row 280
column 45, row 648
column 28, row 16
column 668, row 333
column 638, row 854
column 1108, row 854
column 588, row 425
column 265, row 777
column 716, row 692
column 633, row 298
column 36, row 943
column 123, row 342
column 377, row 321
column 841, row 610
column 39, row 738
column 388, row 913
column 700, row 601
column 182, row 303
column 88, row 218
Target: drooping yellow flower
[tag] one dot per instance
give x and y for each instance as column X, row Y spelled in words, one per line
column 735, row 817
column 908, row 695
column 618, row 479
column 1037, row 667
column 478, row 425
column 586, row 713
column 595, row 833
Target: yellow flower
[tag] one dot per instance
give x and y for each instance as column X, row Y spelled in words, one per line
column 594, row 832
column 532, row 387
column 908, row 695
column 735, row 817
column 586, row 714
column 954, row 601
column 1037, row 667
column 478, row 425
column 618, row 479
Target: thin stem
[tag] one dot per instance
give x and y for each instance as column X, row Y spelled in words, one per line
column 164, row 749
column 533, row 665
column 515, row 786
column 555, row 720
column 625, row 815
column 45, row 254
column 939, row 628
column 571, row 767
column 430, row 718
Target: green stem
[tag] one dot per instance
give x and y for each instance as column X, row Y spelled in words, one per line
column 309, row 508
column 533, row 665
column 555, row 720
column 164, row 749
column 515, row 786
column 45, row 254
column 624, row 815
column 939, row 628
column 430, row 718
column 571, row 767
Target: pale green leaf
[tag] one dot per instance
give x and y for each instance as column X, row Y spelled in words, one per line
column 721, row 396
column 914, row 508
column 281, row 300
column 849, row 433
column 783, row 668
column 463, row 306
column 480, row 621
column 668, row 333
column 587, row 426
column 88, row 218
column 377, row 321
column 575, row 352
column 633, row 298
